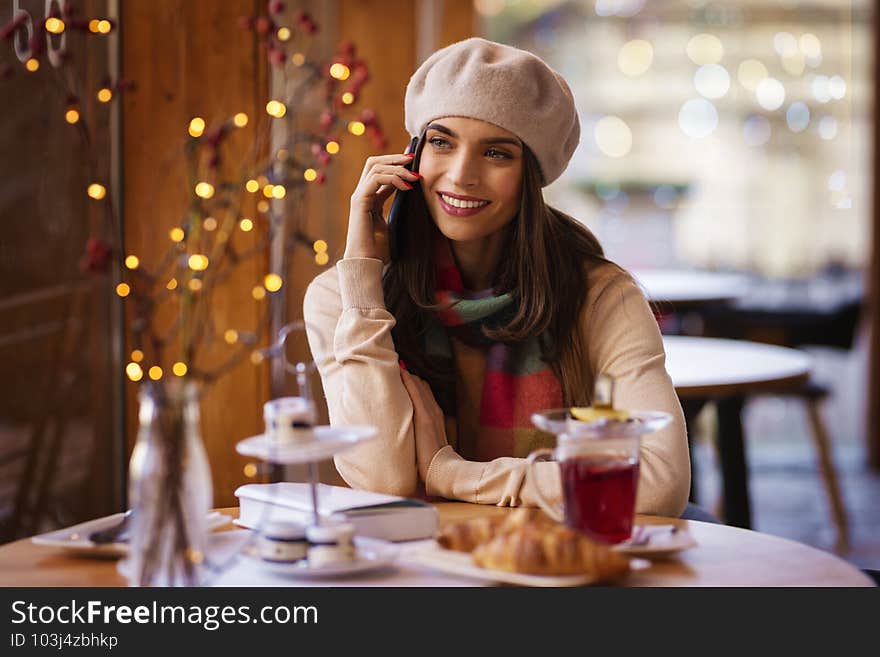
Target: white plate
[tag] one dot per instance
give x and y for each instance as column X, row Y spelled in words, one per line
column 462, row 564
column 372, row 554
column 656, row 541
column 76, row 538
column 328, row 442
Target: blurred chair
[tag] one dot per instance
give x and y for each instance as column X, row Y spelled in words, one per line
column 797, row 322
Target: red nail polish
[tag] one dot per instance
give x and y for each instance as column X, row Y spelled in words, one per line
column 416, row 174
column 409, row 154
column 408, row 186
column 402, row 364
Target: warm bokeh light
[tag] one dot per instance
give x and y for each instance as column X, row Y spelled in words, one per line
column 267, row 190
column 93, row 25
column 310, row 175
column 332, row 147
column 195, row 284
column 322, row 258
column 770, row 94
column 134, row 372
column 105, row 95
column 258, row 292
column 635, row 57
column 155, row 372
column 283, row 34
column 179, row 369
column 196, row 126
column 71, row 116
column 231, row 336
column 250, row 470
column 104, row 27
column 54, row 25
column 810, row 45
column 750, row 73
column 240, row 120
column 298, row 59
column 97, row 191
column 263, row 206
column 132, row 262
column 276, row 109
column 340, row 71
column 279, row 191
column 123, row 290
column 198, row 262
column 252, row 186
column 246, row 225
column 347, row 98
column 137, row 355
column 171, row 285
column 209, row 224
column 613, row 136
column 32, row 65
column 794, row 64
column 272, row 282
column 357, row 128
column 319, row 246
column 256, row 357
column 176, row 234
column 204, row 190
column 705, row 49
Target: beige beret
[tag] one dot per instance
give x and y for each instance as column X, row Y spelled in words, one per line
column 511, row 88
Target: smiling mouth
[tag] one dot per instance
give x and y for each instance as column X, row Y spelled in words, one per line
column 461, row 204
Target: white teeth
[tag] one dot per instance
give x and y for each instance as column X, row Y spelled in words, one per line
column 462, row 204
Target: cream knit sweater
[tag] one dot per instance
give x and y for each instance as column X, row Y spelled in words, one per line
column 349, row 332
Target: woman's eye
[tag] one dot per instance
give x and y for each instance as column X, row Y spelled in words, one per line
column 495, row 153
column 437, row 141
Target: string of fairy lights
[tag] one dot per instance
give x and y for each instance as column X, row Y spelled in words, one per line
column 203, row 248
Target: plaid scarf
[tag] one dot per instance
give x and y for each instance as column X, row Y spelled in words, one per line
column 517, row 381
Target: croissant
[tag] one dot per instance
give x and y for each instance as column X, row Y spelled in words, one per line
column 550, row 551
column 465, row 535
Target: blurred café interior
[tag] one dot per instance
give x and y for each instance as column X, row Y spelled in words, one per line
column 727, row 158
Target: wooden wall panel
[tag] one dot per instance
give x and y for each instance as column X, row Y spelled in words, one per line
column 872, row 431
column 190, row 58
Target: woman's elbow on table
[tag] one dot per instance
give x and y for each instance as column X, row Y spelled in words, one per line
column 388, row 482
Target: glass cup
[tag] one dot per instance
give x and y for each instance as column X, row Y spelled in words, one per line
column 600, row 480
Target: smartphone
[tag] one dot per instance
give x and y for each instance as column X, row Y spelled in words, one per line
column 395, row 219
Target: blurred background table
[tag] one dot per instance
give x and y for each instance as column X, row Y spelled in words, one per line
column 724, row 556
column 726, row 371
column 685, row 289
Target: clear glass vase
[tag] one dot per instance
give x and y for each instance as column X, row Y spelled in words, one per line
column 170, row 490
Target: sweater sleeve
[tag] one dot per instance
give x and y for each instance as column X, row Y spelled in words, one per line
column 624, row 341
column 349, row 333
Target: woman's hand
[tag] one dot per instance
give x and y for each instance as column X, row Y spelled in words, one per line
column 429, row 423
column 382, row 174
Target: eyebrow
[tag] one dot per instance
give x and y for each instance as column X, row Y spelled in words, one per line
column 491, row 140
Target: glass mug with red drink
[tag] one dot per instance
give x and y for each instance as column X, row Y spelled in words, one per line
column 598, row 455
column 600, row 480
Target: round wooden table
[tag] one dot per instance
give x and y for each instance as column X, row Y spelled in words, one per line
column 724, row 556
column 688, row 289
column 727, row 371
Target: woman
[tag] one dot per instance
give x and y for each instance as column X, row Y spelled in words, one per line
column 498, row 306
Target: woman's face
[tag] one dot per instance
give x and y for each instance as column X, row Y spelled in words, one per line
column 471, row 177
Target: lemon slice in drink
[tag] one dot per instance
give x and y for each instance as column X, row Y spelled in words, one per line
column 592, row 414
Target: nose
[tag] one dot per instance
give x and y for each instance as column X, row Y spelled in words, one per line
column 464, row 170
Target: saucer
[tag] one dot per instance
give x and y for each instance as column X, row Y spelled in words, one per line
column 372, row 554
column 559, row 421
column 328, row 442
column 76, row 538
column 656, row 541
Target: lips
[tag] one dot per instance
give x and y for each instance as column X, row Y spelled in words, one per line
column 461, row 212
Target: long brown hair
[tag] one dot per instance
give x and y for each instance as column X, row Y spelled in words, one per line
column 549, row 255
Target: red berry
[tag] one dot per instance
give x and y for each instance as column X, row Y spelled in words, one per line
column 276, row 7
